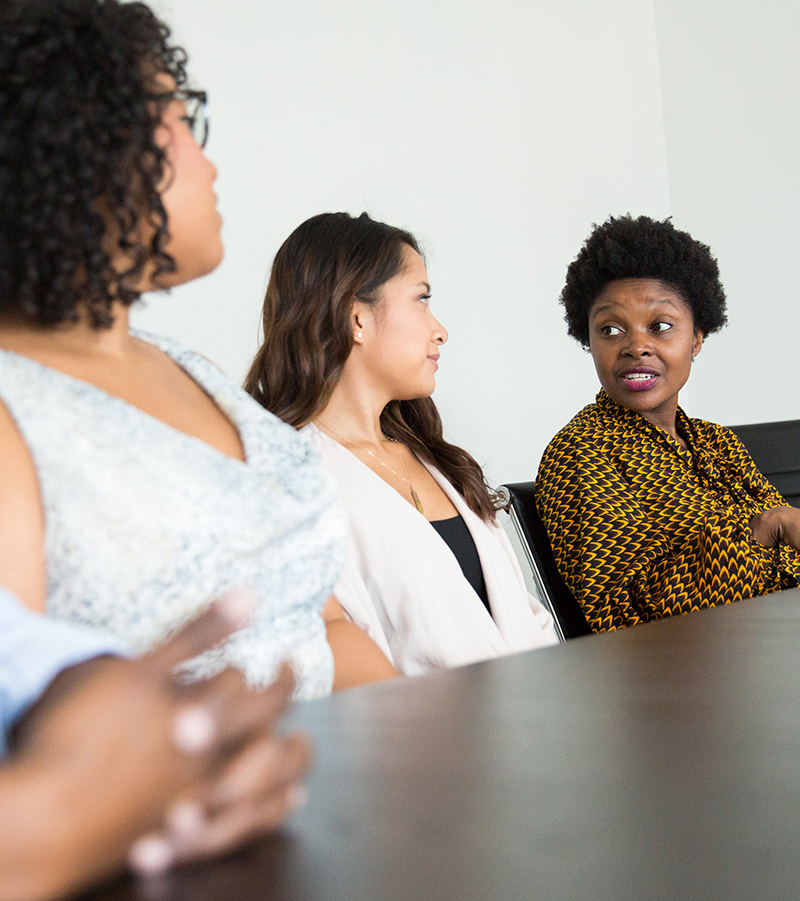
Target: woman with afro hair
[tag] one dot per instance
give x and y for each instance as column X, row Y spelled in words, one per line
column 651, row 513
column 137, row 481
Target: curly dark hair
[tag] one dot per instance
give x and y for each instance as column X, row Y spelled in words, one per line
column 624, row 247
column 79, row 166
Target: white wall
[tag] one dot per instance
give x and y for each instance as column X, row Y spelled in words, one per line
column 497, row 130
column 731, row 77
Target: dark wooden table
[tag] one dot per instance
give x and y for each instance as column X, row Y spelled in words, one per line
column 661, row 762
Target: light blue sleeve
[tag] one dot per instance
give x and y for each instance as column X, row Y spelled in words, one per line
column 33, row 650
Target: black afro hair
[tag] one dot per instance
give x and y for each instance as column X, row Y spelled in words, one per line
column 624, row 247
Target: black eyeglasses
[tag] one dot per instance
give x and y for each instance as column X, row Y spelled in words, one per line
column 196, row 117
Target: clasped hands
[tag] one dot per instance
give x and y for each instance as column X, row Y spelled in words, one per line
column 148, row 770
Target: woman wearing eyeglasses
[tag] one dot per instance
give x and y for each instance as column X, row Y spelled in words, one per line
column 137, row 481
column 351, row 348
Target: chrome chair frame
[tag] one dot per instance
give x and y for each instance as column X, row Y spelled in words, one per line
column 559, row 600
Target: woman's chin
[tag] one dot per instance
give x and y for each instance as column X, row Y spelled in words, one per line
column 193, row 270
column 415, row 395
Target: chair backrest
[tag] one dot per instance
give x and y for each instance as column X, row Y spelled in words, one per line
column 568, row 616
column 775, row 447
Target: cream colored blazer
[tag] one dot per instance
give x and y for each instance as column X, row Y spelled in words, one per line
column 403, row 585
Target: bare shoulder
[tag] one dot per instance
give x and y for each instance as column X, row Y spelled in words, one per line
column 22, row 568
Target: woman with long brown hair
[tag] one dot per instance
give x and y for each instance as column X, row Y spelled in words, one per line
column 350, row 354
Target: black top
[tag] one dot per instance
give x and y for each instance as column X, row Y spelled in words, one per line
column 455, row 532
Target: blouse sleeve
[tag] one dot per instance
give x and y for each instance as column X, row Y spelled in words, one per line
column 605, row 547
column 358, row 604
column 761, row 494
column 755, row 485
column 33, row 650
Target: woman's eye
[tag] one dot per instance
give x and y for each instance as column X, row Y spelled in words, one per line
column 426, row 299
column 610, row 330
column 661, row 326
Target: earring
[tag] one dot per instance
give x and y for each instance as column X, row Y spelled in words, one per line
column 359, row 335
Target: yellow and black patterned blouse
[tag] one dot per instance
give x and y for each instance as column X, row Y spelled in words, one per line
column 642, row 528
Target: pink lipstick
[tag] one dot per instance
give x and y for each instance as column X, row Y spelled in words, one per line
column 639, row 378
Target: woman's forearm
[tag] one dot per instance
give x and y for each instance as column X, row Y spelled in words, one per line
column 357, row 659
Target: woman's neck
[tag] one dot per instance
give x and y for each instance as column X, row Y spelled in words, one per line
column 353, row 414
column 73, row 338
column 351, row 425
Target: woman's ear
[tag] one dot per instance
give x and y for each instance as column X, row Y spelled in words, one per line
column 697, row 343
column 357, row 321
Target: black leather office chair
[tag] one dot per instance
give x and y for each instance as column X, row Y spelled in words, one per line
column 775, row 447
column 568, row 616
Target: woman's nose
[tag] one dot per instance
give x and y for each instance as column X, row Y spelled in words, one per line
column 440, row 332
column 637, row 344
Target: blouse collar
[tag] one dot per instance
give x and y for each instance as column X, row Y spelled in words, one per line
column 638, row 423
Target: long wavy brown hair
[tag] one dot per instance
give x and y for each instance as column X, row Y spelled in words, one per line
column 325, row 265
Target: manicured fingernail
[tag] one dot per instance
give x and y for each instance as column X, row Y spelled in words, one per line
column 185, row 819
column 236, row 607
column 297, row 796
column 193, row 729
column 151, row 856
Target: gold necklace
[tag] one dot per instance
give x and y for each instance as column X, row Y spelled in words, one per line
column 414, row 495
